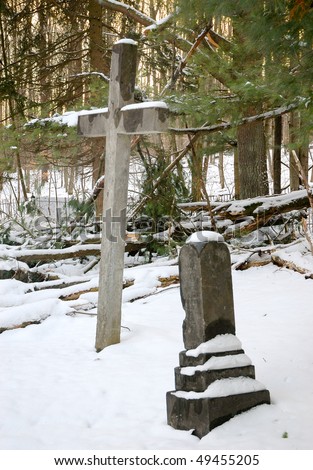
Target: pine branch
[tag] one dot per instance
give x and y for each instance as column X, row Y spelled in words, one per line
column 228, row 125
column 179, row 70
column 128, row 11
column 87, row 74
column 160, row 179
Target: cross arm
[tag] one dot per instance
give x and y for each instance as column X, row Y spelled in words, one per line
column 93, row 123
column 145, row 118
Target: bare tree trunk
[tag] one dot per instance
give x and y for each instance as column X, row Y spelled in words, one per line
column 302, row 150
column 205, row 169
column 71, row 181
column 196, row 174
column 252, row 160
column 221, row 169
column 98, row 63
column 236, row 174
column 304, row 158
column 277, row 155
column 294, row 124
column 14, row 109
column 75, row 90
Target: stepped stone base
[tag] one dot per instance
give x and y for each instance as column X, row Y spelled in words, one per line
column 204, row 414
column 199, row 381
column 186, row 360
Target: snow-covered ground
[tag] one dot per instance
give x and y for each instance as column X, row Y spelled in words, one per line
column 56, row 392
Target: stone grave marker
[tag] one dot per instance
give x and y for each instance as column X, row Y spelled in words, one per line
column 215, row 379
column 118, row 123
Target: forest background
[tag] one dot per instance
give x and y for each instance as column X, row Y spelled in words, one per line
column 237, row 77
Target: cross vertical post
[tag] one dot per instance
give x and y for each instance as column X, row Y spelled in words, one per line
column 118, row 123
column 121, row 93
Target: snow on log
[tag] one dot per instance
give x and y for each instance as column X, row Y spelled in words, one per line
column 257, row 206
column 20, row 316
column 33, row 256
column 264, row 206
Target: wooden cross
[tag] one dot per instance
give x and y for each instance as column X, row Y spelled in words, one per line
column 118, row 123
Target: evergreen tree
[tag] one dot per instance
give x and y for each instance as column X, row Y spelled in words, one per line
column 264, row 61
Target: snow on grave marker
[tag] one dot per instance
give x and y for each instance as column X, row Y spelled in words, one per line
column 215, row 380
column 118, row 123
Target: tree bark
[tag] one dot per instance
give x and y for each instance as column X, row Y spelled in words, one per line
column 221, row 169
column 236, row 174
column 294, row 124
column 277, row 155
column 98, row 63
column 252, row 160
column 295, row 132
column 196, row 173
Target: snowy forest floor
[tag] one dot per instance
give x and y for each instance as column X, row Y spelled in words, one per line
column 58, row 393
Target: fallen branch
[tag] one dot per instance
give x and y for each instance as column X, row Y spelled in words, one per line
column 283, row 263
column 156, row 292
column 253, row 260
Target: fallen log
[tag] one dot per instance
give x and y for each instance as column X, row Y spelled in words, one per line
column 169, row 281
column 34, row 256
column 22, row 325
column 165, row 282
column 60, row 284
column 262, row 206
column 23, row 275
column 265, row 206
column 76, row 295
column 261, row 211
